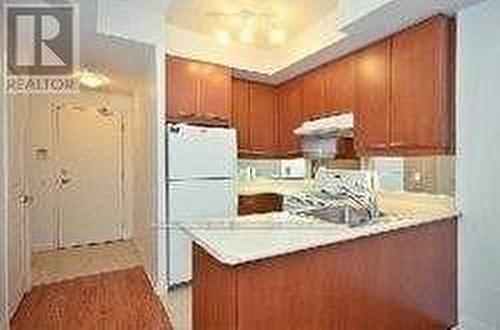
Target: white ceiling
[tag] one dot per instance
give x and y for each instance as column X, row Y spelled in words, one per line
column 128, row 64
column 291, row 16
column 321, row 35
column 326, row 36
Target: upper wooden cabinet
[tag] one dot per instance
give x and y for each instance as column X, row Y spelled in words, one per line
column 422, row 86
column 197, row 91
column 313, row 84
column 400, row 90
column 404, row 92
column 255, row 115
column 182, row 88
column 263, row 108
column 372, row 101
column 290, row 117
column 215, row 92
column 241, row 113
column 339, row 87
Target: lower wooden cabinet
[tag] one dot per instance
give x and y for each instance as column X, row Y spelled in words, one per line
column 260, row 203
column 402, row 279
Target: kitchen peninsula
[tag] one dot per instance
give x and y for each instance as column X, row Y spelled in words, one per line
column 280, row 271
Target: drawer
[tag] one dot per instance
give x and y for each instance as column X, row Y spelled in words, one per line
column 260, row 203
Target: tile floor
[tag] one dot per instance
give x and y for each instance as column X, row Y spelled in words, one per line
column 57, row 265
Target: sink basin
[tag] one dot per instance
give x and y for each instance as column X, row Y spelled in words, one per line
column 340, row 215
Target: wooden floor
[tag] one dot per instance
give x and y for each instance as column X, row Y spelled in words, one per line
column 117, row 300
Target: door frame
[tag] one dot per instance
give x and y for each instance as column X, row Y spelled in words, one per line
column 124, row 169
column 12, row 103
column 4, row 265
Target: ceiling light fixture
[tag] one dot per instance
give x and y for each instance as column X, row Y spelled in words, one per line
column 248, row 25
column 246, row 36
column 223, row 37
column 92, row 78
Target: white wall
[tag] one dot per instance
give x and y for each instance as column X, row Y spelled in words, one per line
column 3, row 190
column 478, row 165
column 142, row 211
column 149, row 168
column 117, row 23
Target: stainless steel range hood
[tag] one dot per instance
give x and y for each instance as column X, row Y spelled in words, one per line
column 319, row 137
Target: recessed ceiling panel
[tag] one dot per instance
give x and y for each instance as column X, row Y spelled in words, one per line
column 263, row 24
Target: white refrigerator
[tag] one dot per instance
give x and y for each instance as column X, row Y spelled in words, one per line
column 201, row 187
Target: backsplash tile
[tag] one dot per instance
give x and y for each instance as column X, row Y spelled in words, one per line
column 249, row 169
column 426, row 174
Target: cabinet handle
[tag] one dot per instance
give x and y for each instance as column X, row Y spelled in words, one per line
column 213, row 116
column 398, row 144
column 186, row 114
column 377, row 146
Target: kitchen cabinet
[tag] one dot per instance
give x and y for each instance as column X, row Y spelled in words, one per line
column 241, row 114
column 372, row 98
column 313, row 84
column 401, row 279
column 400, row 90
column 197, row 92
column 421, row 69
column 182, row 87
column 255, row 117
column 339, row 87
column 404, row 92
column 290, row 117
column 263, row 107
column 259, row 203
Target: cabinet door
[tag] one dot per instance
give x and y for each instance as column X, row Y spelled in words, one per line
column 314, row 96
column 215, row 93
column 339, row 85
column 182, row 86
column 263, row 121
column 372, row 97
column 241, row 113
column 290, row 117
column 421, row 86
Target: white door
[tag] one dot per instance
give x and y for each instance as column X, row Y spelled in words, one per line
column 193, row 201
column 89, row 151
column 18, row 249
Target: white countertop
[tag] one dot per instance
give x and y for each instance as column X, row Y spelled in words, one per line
column 253, row 237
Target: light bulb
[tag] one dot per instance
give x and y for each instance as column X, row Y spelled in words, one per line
column 246, row 36
column 277, row 37
column 223, row 37
column 92, row 79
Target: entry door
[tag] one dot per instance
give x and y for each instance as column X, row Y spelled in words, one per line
column 18, row 249
column 88, row 169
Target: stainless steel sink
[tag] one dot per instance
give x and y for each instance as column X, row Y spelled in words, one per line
column 344, row 214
